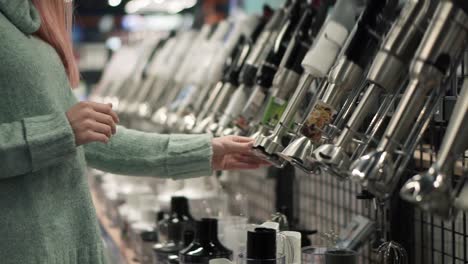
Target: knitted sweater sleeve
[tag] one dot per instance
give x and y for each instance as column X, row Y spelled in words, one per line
column 34, row 143
column 135, row 153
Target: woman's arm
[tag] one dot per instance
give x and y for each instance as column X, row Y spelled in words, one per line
column 34, row 143
column 131, row 152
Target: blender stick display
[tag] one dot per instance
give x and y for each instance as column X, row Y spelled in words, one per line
column 180, row 77
column 441, row 47
column 248, row 72
column 345, row 76
column 270, row 66
column 317, row 63
column 432, row 190
column 287, row 75
column 387, row 73
column 214, row 71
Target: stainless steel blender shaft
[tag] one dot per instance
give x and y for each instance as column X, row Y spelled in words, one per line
column 268, row 100
column 344, row 78
column 219, row 98
column 176, row 84
column 274, row 68
column 442, row 45
column 432, row 190
column 317, row 64
column 293, row 105
column 208, row 105
column 387, row 73
column 265, row 146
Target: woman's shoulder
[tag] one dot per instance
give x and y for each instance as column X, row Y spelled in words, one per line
column 6, row 27
column 10, row 35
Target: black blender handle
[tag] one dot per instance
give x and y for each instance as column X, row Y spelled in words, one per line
column 268, row 68
column 300, row 43
column 236, row 61
column 366, row 38
column 228, row 64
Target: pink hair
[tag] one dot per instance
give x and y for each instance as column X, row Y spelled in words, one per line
column 56, row 30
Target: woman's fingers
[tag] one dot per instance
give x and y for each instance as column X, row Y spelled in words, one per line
column 92, row 122
column 103, row 129
column 105, row 109
column 240, row 139
column 91, row 136
column 237, row 147
column 107, row 120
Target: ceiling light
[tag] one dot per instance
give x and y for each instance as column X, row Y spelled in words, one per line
column 154, row 6
column 114, row 3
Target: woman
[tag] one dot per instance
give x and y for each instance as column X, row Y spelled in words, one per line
column 47, row 139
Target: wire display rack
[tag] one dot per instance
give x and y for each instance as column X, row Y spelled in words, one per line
column 326, row 204
column 438, row 241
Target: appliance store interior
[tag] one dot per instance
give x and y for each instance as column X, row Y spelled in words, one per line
column 359, row 108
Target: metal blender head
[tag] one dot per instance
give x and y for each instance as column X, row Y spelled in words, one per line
column 266, row 147
column 260, row 137
column 187, row 123
column 333, row 159
column 298, row 150
column 316, row 64
column 203, row 125
column 298, row 153
column 270, row 144
column 160, row 117
column 386, row 73
column 256, row 135
column 443, row 42
column 375, row 172
column 144, row 110
column 212, row 128
column 172, row 121
column 432, row 191
column 392, row 253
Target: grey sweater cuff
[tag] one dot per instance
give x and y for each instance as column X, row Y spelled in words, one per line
column 50, row 139
column 189, row 156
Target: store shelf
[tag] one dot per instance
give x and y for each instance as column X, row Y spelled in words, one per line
column 126, row 255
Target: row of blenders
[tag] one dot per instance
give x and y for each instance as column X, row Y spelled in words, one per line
column 257, row 70
column 356, row 81
column 345, row 88
column 336, row 60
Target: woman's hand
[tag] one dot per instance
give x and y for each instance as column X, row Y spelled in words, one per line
column 92, row 122
column 234, row 153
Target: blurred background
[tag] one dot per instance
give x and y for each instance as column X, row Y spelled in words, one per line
column 101, row 27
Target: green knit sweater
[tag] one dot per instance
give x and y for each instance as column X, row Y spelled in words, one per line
column 46, row 212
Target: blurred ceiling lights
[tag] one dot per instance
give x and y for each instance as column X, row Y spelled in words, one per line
column 114, row 3
column 158, row 6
